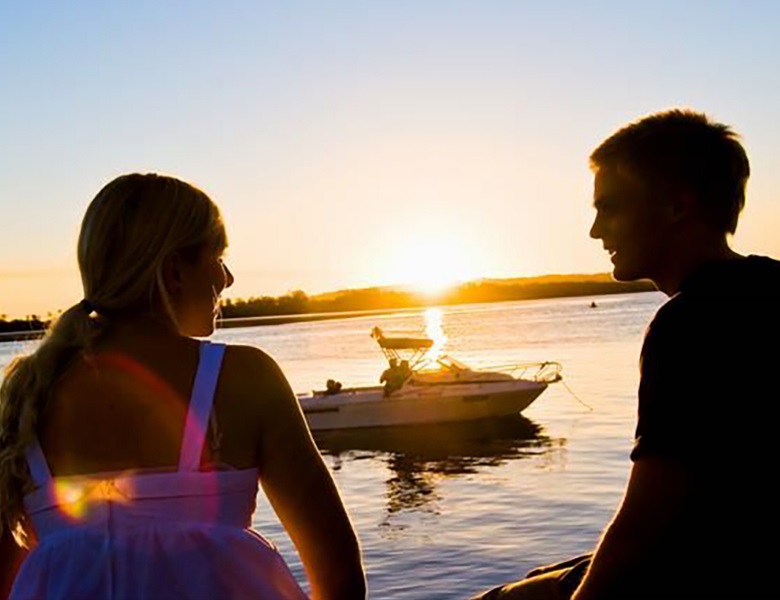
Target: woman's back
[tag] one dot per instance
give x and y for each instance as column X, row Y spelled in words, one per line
column 124, row 407
column 135, row 533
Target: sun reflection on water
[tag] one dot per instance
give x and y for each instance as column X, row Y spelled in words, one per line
column 435, row 331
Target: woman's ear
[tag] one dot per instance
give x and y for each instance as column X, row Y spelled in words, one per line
column 172, row 273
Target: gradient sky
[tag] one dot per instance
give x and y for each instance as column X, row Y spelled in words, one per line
column 363, row 143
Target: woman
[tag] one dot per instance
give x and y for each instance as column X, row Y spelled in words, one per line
column 130, row 452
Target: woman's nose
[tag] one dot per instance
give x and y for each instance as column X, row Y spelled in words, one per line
column 229, row 279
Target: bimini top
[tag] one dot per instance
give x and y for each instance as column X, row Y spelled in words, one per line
column 400, row 343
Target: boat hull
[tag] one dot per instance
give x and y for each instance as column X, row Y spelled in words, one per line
column 418, row 404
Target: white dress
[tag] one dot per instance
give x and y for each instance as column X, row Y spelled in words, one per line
column 126, row 536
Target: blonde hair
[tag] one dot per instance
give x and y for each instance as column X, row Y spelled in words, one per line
column 134, row 223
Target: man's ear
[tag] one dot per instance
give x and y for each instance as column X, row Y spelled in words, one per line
column 682, row 205
column 172, row 273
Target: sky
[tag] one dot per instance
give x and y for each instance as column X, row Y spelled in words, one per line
column 353, row 144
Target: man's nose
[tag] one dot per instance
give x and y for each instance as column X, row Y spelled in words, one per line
column 595, row 229
column 229, row 279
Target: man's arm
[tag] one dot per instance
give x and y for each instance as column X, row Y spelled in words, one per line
column 655, row 492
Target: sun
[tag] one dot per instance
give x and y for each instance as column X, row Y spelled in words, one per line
column 433, row 282
column 431, row 264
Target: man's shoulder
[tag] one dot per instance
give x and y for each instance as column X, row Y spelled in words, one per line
column 671, row 314
column 757, row 265
column 765, row 268
column 766, row 261
column 666, row 330
column 726, row 298
column 743, row 277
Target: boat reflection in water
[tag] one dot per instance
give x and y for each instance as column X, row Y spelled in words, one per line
column 421, row 455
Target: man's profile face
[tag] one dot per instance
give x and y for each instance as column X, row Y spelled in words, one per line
column 631, row 223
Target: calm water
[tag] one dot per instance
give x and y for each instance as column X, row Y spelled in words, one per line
column 443, row 512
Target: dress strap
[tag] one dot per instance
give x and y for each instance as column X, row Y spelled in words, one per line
column 196, row 423
column 36, row 461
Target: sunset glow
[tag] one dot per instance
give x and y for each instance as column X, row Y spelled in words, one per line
column 344, row 155
column 430, row 264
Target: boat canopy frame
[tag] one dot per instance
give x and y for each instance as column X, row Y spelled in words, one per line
column 402, row 348
column 415, row 350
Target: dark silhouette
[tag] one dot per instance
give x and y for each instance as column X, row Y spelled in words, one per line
column 698, row 515
column 394, row 376
column 332, row 387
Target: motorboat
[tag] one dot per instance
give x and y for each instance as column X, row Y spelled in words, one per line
column 420, row 389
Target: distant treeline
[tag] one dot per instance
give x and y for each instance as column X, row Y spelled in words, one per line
column 487, row 290
column 553, row 286
column 30, row 323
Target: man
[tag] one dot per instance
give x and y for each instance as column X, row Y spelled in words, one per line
column 699, row 517
column 392, row 377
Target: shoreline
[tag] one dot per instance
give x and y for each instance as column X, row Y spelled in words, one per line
column 266, row 320
column 261, row 321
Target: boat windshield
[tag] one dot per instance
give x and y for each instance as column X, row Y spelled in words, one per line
column 450, row 364
column 442, row 363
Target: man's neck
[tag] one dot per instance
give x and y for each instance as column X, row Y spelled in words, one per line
column 693, row 255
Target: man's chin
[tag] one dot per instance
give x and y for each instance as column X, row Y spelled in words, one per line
column 623, row 274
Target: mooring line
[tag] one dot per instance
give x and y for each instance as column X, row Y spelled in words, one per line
column 576, row 397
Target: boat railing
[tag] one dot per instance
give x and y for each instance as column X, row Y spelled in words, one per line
column 343, row 390
column 542, row 372
column 545, row 372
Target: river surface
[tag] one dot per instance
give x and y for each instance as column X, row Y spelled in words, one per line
column 445, row 511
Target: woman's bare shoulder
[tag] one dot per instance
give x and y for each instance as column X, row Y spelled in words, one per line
column 251, row 370
column 242, row 357
column 258, row 404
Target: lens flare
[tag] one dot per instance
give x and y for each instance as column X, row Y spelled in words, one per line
column 76, row 496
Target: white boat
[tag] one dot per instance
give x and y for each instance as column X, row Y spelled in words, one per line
column 427, row 390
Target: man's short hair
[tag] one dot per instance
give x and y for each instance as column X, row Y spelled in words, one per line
column 683, row 149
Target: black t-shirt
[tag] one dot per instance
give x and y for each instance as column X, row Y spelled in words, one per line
column 708, row 399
